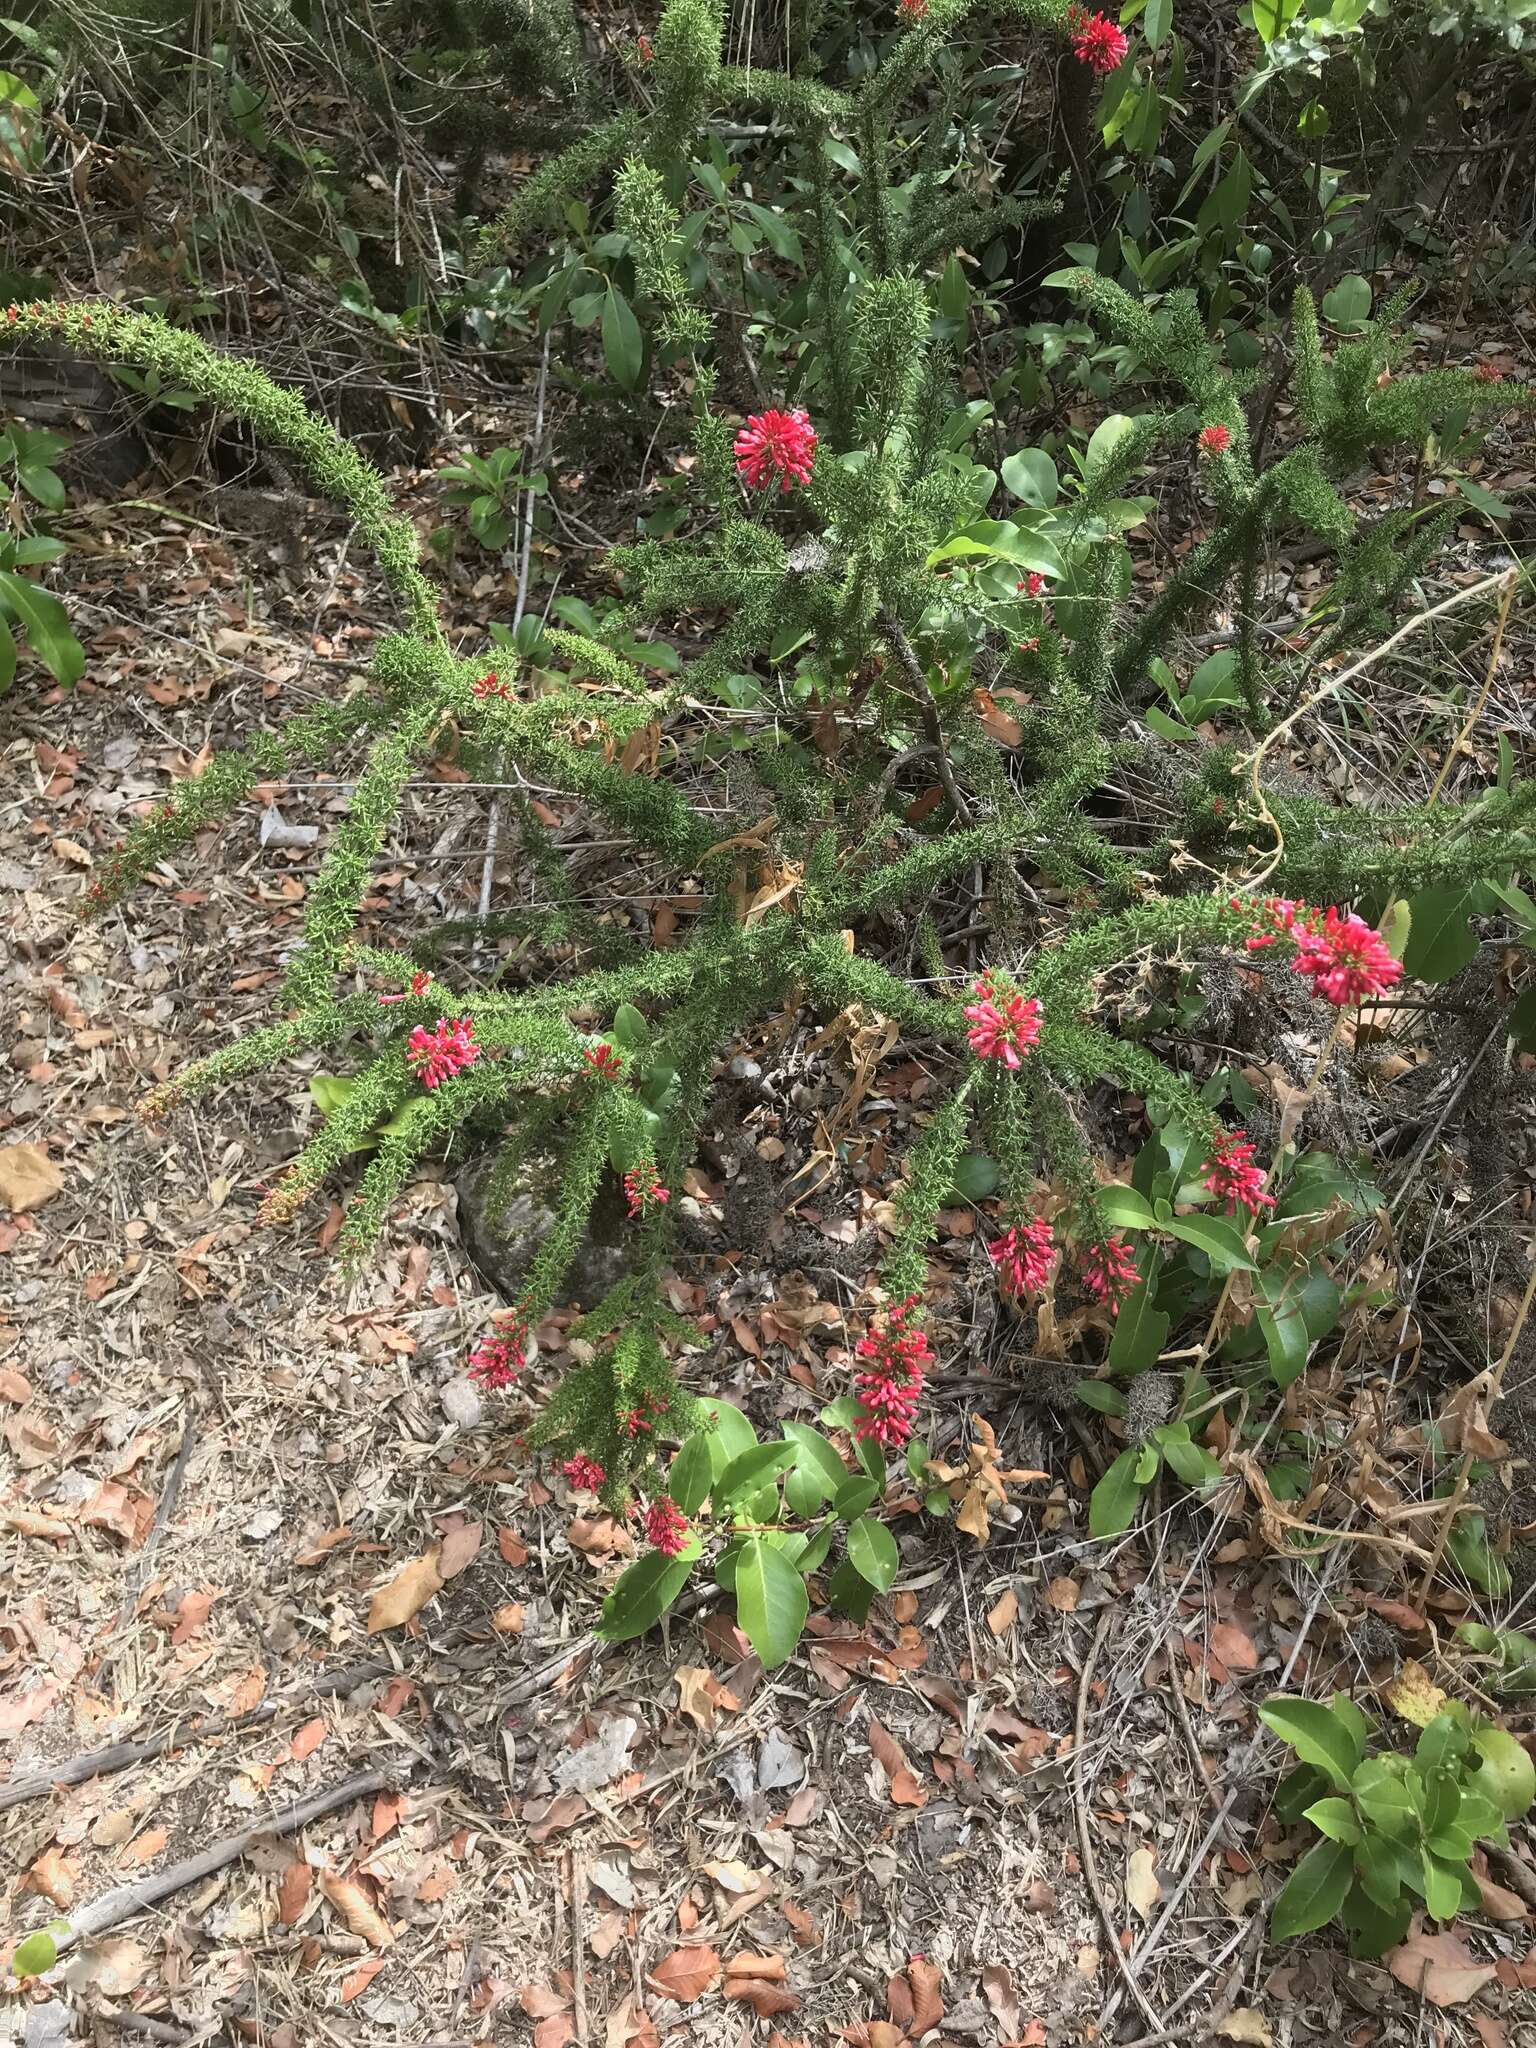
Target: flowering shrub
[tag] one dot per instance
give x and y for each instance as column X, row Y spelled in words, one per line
column 858, row 564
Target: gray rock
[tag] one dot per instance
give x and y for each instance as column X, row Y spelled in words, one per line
column 502, row 1249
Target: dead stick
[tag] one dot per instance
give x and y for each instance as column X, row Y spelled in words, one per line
column 101, row 1763
column 912, row 668
column 113, row 1907
column 578, row 1873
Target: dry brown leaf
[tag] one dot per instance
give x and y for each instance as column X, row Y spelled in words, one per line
column 904, row 1788
column 1490, row 2031
column 144, row 1848
column 13, row 1387
column 927, row 2004
column 405, row 1594
column 874, row 2034
column 293, row 1891
column 695, row 1695
column 508, row 1620
column 997, row 1989
column 54, row 1874
column 514, row 1550
column 748, row 1963
column 28, row 1178
column 1498, row 1903
column 43, row 1527
column 1439, row 1967
column 387, row 1809
column 1002, row 1616
column 1246, row 2024
column 1141, row 1886
column 357, row 1909
column 540, row 2001
column 1063, row 1595
column 733, row 1876
column 307, row 1740
column 1234, row 1647
column 193, row 1612
column 801, row 1925
column 458, row 1546
column 686, row 1974
column 357, row 1981
column 763, row 1995
column 555, row 2030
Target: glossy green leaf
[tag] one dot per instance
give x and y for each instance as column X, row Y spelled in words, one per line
column 730, row 1434
column 623, row 343
column 1221, row 1241
column 688, row 1482
column 1124, row 1207
column 34, row 1954
column 47, row 628
column 1335, row 1818
column 1112, row 1506
column 1316, row 1733
column 1440, row 942
column 643, row 1595
column 1315, row 1891
column 745, row 1474
column 771, row 1601
column 873, row 1554
column 1031, row 476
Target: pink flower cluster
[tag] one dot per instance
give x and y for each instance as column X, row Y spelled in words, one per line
column 912, row 10
column 500, row 1356
column 643, row 1189
column 447, row 1049
column 1023, row 1257
column 584, row 1473
column 666, row 1526
column 1215, row 440
column 889, row 1386
column 1109, row 1271
column 1346, row 960
column 603, row 1061
column 776, row 446
column 1096, row 41
column 488, row 686
column 1235, row 1177
column 1003, row 1026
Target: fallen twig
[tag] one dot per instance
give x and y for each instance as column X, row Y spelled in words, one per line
column 126, row 1900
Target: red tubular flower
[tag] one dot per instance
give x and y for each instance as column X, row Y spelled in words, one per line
column 421, row 981
column 488, row 686
column 912, row 10
column 1003, row 1027
column 500, row 1356
column 643, row 1189
column 778, row 445
column 1234, row 1176
column 584, row 1473
column 603, row 1061
column 1109, row 1271
column 1097, row 41
column 1023, row 1257
column 890, row 1385
column 447, row 1049
column 1280, row 917
column 1215, row 440
column 634, row 1422
column 666, row 1526
column 644, row 49
column 1487, row 373
column 1346, row 958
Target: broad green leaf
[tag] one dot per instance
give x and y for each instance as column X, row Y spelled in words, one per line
column 1031, row 476
column 329, row 1091
column 1141, row 1331
column 873, row 1554
column 1158, row 20
column 630, row 1029
column 817, row 1453
column 771, row 1601
column 689, row 1479
column 43, row 484
column 643, row 1595
column 1286, row 1340
column 1442, row 1887
column 1385, row 1798
column 1374, row 1928
column 8, row 661
column 976, row 1176
column 38, row 1952
column 1297, row 1790
column 1349, row 303
column 1440, row 941
column 730, row 1434
column 745, row 1474
column 1335, row 1818
column 623, row 343
column 1315, row 1891
column 1112, row 1507
column 1101, row 1395
column 47, row 628
column 853, row 1497
column 1001, row 540
column 1316, row 1733
column 1221, row 1241
column 1125, row 1208
column 1192, row 1462
column 1103, row 442
column 850, row 1593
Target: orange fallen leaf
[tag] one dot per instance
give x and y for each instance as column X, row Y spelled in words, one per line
column 1234, row 1646
column 395, row 1602
column 307, row 1740
column 193, row 1611
column 1002, row 1616
column 387, row 1809
column 686, row 1974
column 1062, row 1594
column 904, row 1788
column 763, row 1995
column 513, row 1549
column 357, row 1909
column 927, row 2003
column 28, row 1178
column 54, row 1874
column 750, row 1964
column 144, row 1848
column 293, row 1891
column 508, row 1620
column 357, row 1981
